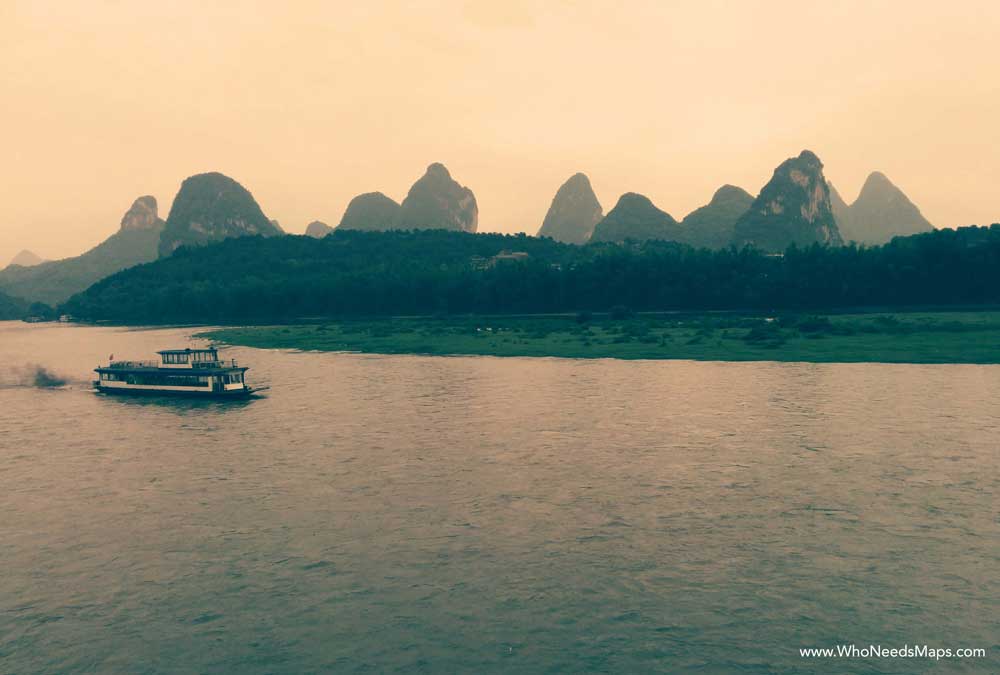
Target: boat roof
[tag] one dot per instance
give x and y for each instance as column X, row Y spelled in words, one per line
column 186, row 351
column 172, row 371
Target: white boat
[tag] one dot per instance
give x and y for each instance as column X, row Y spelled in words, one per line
column 179, row 372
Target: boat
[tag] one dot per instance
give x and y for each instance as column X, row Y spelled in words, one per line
column 179, row 372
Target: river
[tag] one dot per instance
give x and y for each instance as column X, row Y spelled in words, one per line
column 478, row 514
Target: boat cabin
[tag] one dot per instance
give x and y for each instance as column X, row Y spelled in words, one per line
column 188, row 358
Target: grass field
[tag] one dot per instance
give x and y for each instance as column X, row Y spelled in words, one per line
column 927, row 337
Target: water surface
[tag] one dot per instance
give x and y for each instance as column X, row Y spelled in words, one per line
column 476, row 514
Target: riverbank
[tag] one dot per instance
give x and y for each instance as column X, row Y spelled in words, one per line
column 938, row 337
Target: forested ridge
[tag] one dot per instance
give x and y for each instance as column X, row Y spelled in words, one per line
column 11, row 307
column 347, row 273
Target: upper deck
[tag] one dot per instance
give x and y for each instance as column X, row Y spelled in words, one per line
column 190, row 361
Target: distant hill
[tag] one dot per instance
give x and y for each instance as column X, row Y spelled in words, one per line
column 711, row 226
column 436, row 201
column 881, row 211
column 211, row 207
column 574, row 212
column 636, row 218
column 372, row 211
column 318, row 229
column 53, row 282
column 793, row 208
column 26, row 258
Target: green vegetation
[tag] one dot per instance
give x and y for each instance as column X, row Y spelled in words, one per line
column 942, row 337
column 351, row 274
column 11, row 307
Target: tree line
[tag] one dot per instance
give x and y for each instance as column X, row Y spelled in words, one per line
column 356, row 273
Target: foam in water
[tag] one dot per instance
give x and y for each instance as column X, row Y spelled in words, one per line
column 32, row 375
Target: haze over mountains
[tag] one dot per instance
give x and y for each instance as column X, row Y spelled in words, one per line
column 371, row 211
column 793, row 208
column 636, row 218
column 574, row 212
column 317, row 229
column 26, row 258
column 880, row 213
column 435, row 201
column 52, row 282
column 211, row 207
column 797, row 206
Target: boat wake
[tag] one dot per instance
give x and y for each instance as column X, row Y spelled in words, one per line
column 32, row 375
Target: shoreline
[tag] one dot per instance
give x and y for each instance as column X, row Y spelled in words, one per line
column 923, row 337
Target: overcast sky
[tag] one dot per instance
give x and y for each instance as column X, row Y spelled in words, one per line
column 308, row 104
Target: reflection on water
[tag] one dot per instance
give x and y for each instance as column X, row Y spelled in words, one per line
column 381, row 513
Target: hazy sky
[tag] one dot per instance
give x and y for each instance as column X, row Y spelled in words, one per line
column 309, row 104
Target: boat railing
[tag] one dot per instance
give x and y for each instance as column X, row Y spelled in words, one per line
column 134, row 364
column 231, row 363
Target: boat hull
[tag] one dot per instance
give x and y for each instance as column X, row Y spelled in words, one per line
column 127, row 391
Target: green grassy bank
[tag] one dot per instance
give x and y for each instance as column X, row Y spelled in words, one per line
column 940, row 337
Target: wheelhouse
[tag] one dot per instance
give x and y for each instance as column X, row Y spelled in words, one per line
column 188, row 358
